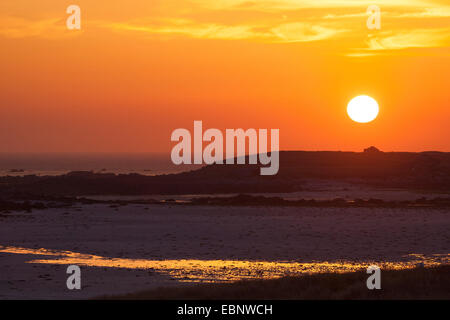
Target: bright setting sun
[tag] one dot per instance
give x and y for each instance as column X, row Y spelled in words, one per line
column 362, row 109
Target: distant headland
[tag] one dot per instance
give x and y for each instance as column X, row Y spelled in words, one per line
column 409, row 170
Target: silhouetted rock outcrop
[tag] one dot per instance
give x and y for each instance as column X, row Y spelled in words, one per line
column 371, row 149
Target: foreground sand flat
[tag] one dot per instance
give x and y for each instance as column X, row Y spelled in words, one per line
column 137, row 247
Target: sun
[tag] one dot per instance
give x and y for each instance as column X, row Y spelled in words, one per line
column 362, row 109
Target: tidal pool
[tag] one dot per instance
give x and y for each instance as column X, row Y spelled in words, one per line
column 221, row 270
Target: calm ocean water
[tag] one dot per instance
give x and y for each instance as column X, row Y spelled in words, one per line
column 19, row 164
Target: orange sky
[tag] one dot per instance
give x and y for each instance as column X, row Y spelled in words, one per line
column 139, row 69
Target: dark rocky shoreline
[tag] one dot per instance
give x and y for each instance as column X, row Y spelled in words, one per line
column 46, row 202
column 421, row 171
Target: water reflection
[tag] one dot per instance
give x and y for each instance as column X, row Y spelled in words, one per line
column 220, row 270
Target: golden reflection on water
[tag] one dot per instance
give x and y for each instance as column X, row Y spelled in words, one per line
column 221, row 270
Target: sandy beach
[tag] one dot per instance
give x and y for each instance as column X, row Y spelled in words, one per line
column 136, row 247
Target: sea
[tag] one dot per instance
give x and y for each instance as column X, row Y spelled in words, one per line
column 42, row 164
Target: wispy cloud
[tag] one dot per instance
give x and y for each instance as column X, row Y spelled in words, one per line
column 284, row 32
column 191, row 29
column 421, row 38
column 50, row 28
column 289, row 5
column 443, row 11
column 405, row 23
column 303, row 32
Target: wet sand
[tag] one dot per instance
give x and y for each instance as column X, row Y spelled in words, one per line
column 178, row 244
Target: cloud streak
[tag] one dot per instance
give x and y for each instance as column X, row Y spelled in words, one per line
column 420, row 38
column 292, row 5
column 284, row 32
column 50, row 28
column 405, row 23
